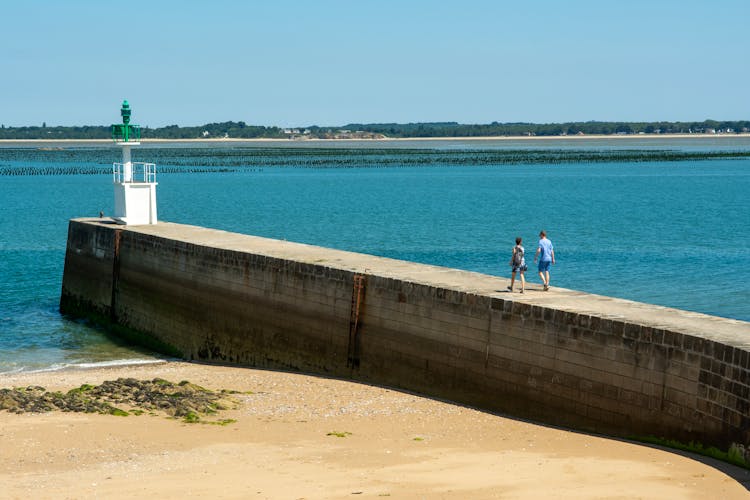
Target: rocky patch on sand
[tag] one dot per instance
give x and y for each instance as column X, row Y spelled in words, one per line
column 124, row 396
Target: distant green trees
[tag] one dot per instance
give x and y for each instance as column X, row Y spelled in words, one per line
column 234, row 130
column 241, row 130
column 44, row 132
column 495, row 129
column 209, row 131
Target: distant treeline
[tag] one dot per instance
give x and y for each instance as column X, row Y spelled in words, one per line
column 210, row 131
column 494, row 129
column 240, row 130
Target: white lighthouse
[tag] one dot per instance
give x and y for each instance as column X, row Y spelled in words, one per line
column 135, row 182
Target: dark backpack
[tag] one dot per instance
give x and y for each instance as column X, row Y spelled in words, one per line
column 518, row 256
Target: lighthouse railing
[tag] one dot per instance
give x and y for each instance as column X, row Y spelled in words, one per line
column 119, row 133
column 141, row 172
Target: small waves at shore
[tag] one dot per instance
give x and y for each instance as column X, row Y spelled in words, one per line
column 94, row 350
column 83, row 366
column 35, row 337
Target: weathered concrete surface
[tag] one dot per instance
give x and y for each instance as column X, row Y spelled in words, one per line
column 562, row 357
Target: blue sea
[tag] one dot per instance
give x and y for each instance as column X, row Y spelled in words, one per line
column 658, row 221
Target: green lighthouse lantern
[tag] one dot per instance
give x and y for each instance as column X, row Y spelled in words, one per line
column 126, row 132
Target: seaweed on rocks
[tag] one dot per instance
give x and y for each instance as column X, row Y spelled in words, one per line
column 121, row 397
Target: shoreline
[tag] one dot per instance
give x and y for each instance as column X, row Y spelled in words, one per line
column 281, row 446
column 396, row 139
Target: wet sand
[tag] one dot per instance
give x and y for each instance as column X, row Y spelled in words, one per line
column 299, row 436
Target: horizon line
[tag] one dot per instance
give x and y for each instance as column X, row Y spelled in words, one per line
column 445, row 123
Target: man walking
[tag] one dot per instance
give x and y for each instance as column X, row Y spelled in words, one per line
column 546, row 255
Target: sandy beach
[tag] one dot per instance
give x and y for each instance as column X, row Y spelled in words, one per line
column 298, row 436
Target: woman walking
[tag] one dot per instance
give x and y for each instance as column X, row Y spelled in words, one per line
column 518, row 264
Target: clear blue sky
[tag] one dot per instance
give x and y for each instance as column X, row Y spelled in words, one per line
column 298, row 63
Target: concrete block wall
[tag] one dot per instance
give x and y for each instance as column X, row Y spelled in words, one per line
column 88, row 272
column 556, row 366
column 236, row 307
column 563, row 357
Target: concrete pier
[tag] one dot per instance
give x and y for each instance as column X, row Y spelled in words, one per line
column 561, row 357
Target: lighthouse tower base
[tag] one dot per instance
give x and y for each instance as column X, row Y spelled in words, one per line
column 135, row 189
column 135, row 203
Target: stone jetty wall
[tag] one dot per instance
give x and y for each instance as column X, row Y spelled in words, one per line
column 561, row 357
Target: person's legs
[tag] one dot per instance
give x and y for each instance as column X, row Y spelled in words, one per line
column 513, row 280
column 523, row 282
column 544, row 273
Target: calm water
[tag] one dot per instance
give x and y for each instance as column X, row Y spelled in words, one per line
column 664, row 232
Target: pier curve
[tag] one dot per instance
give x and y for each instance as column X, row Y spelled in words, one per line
column 561, row 357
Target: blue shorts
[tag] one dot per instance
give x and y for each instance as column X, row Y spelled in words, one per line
column 544, row 265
